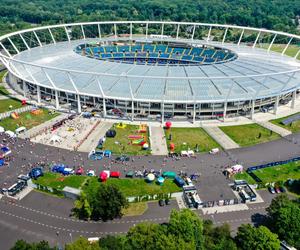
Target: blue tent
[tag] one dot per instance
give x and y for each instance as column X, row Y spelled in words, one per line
column 1, row 162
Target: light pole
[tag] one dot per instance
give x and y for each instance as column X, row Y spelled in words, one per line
column 71, row 237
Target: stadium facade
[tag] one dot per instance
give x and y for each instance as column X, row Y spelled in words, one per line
column 154, row 70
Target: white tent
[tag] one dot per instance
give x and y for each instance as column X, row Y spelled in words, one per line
column 10, row 133
column 2, row 130
column 55, row 138
column 20, row 130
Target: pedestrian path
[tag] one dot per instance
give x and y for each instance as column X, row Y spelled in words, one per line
column 218, row 135
column 92, row 141
column 158, row 141
column 277, row 129
column 225, row 209
column 42, row 127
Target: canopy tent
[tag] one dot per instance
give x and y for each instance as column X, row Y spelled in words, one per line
column 150, row 177
column 20, row 130
column 103, row 176
column 55, row 138
column 2, row 130
column 1, row 162
column 160, row 180
column 10, row 133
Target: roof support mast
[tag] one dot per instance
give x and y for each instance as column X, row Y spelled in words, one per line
column 67, row 33
column 99, row 31
column 82, row 30
column 193, row 32
column 287, row 46
column 115, row 30
column 37, row 38
column 225, row 34
column 6, row 51
column 241, row 36
column 162, row 31
column 177, row 33
column 130, row 31
column 147, row 24
column 52, row 37
column 208, row 36
column 15, row 48
column 254, row 44
column 273, row 40
column 24, row 41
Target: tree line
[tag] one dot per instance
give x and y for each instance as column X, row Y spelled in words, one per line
column 276, row 14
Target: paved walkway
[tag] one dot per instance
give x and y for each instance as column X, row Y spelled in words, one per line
column 37, row 129
column 224, row 140
column 277, row 129
column 157, row 141
column 92, row 141
column 225, row 209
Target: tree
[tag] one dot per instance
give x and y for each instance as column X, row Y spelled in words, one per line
column 23, row 245
column 107, row 202
column 217, row 237
column 188, row 226
column 261, row 238
column 82, row 207
column 82, row 243
column 112, row 242
column 284, row 215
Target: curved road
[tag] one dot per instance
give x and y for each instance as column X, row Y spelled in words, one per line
column 39, row 216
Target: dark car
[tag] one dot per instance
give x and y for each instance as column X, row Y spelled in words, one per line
column 167, row 201
column 272, row 190
column 282, row 189
column 161, row 203
column 123, row 158
column 35, row 173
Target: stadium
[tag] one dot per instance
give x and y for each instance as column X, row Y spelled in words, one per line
column 146, row 70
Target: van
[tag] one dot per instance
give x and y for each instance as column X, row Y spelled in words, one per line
column 180, row 182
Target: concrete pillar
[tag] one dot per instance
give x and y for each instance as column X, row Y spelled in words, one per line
column 104, row 107
column 294, row 96
column 252, row 109
column 132, row 110
column 94, row 101
column 225, row 111
column 24, row 89
column 276, row 105
column 56, row 100
column 194, row 114
column 162, row 113
column 38, row 90
column 78, row 104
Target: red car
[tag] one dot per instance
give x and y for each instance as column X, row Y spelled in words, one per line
column 115, row 174
column 277, row 190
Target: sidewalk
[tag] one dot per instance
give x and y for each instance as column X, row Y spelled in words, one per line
column 277, row 129
column 224, row 140
column 157, row 141
column 92, row 141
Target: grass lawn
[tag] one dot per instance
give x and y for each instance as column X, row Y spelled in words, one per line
column 279, row 173
column 120, row 144
column 134, row 187
column 27, row 120
column 244, row 176
column 293, row 127
column 4, row 105
column 247, row 135
column 291, row 50
column 58, row 181
column 185, row 138
column 135, row 209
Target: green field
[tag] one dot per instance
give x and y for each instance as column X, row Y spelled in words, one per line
column 120, row 144
column 58, row 181
column 250, row 134
column 293, row 127
column 129, row 187
column 6, row 103
column 27, row 120
column 185, row 138
column 291, row 50
column 280, row 173
column 134, row 187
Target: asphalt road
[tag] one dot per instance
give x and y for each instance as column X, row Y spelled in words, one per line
column 39, row 216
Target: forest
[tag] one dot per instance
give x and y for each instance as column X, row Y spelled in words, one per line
column 280, row 15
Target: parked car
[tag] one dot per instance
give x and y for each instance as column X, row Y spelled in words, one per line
column 180, row 182
column 79, row 171
column 161, row 203
column 282, row 189
column 35, row 173
column 272, row 190
column 91, row 173
column 123, row 158
column 130, row 174
column 277, row 190
column 115, row 174
column 167, row 201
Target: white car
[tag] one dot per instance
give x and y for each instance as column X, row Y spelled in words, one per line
column 91, row 173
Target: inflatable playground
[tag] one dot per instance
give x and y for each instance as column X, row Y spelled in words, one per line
column 34, row 111
column 140, row 137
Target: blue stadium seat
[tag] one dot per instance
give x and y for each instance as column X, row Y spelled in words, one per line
column 148, row 47
column 160, row 47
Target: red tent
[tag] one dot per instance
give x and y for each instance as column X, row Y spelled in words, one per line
column 23, row 102
column 103, row 176
column 172, row 146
